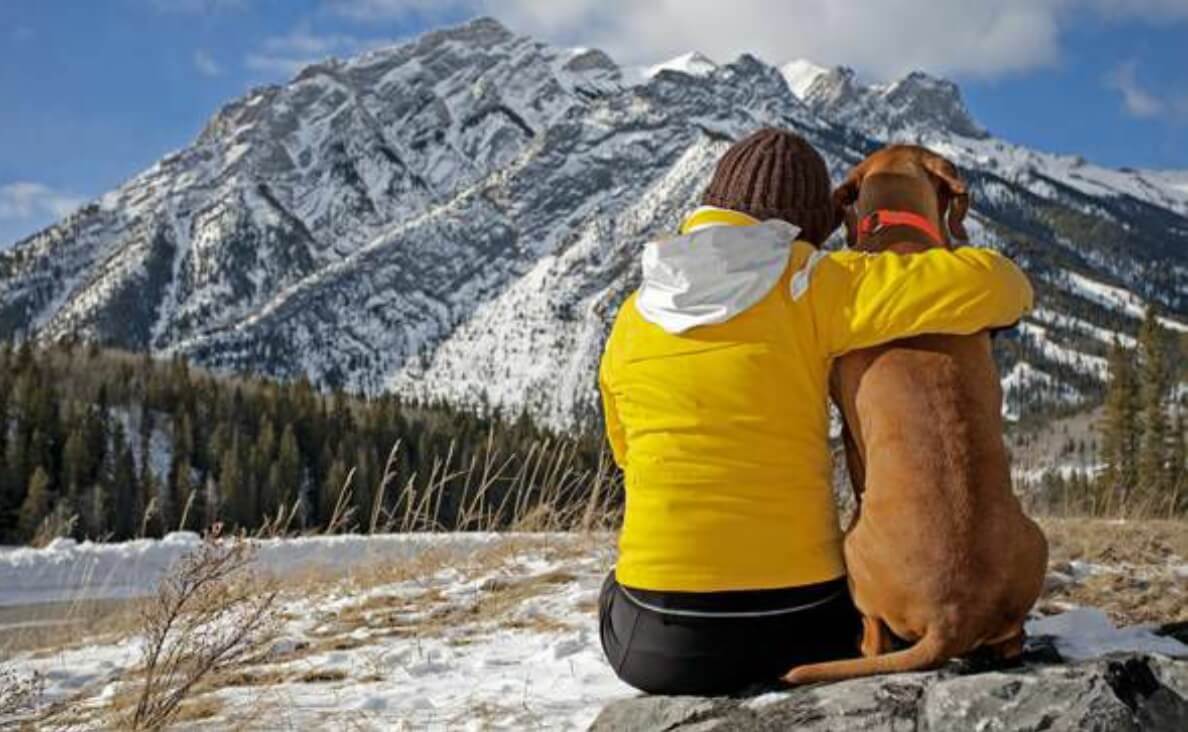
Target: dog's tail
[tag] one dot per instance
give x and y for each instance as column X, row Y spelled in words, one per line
column 929, row 652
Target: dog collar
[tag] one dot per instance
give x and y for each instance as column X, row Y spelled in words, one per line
column 876, row 221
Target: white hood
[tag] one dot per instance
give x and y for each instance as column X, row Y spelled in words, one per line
column 712, row 274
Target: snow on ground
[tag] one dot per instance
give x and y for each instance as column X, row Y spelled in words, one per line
column 1087, row 632
column 1063, row 468
column 1053, row 351
column 67, row 570
column 500, row 632
column 1024, row 376
column 1115, row 298
column 1077, row 325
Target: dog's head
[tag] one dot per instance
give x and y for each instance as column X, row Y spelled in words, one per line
column 952, row 194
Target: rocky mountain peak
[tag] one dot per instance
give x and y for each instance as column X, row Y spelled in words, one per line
column 481, row 32
column 928, row 99
column 800, row 75
column 916, row 103
column 693, row 63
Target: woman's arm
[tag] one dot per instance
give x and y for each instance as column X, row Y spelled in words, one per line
column 861, row 300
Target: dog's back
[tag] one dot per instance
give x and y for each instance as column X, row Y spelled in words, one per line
column 944, row 524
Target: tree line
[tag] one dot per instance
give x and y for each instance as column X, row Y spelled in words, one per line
column 101, row 443
column 1141, row 455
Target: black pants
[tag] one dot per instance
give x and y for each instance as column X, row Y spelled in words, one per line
column 671, row 643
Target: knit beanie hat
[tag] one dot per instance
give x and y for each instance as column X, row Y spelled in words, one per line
column 775, row 174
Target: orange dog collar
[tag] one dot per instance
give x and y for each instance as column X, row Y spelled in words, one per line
column 876, row 221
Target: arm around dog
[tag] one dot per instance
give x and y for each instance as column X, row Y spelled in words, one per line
column 861, row 300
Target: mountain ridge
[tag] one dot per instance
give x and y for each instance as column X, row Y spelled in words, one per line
column 457, row 218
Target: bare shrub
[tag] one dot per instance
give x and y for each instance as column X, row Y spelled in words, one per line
column 210, row 612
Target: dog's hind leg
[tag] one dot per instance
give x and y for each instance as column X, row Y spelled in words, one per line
column 1009, row 648
column 875, row 639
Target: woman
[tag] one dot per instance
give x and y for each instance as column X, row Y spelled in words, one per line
column 714, row 384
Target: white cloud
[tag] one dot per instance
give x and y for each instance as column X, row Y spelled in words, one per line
column 206, row 64
column 288, row 54
column 1140, row 102
column 883, row 39
column 1137, row 101
column 24, row 202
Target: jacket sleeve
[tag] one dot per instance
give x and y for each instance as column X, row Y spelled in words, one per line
column 614, row 428
column 861, row 300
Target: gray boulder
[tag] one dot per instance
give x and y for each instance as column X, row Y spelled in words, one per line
column 1122, row 692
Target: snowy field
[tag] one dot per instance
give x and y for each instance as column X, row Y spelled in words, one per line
column 447, row 631
column 68, row 571
column 483, row 631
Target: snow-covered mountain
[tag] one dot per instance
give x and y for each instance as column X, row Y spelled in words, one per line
column 460, row 216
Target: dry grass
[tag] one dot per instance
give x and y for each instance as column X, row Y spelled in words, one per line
column 1138, row 582
column 197, row 709
column 543, row 490
column 246, row 677
column 1103, row 540
column 66, row 625
column 431, row 614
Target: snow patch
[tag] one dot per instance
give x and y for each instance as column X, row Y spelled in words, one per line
column 480, row 671
column 66, row 570
column 1087, row 632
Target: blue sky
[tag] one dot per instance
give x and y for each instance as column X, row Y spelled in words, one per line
column 96, row 90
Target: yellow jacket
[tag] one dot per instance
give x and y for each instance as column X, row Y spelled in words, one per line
column 714, row 386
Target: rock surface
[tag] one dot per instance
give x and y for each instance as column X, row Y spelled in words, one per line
column 1124, row 692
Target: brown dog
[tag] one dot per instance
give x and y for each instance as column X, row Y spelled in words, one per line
column 940, row 551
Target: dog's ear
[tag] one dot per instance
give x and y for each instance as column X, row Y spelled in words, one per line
column 844, row 198
column 955, row 194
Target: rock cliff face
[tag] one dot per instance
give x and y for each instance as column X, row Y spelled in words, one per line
column 459, row 218
column 1122, row 693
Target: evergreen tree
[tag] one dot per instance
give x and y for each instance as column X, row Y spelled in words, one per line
column 286, row 478
column 75, row 464
column 332, row 486
column 241, row 504
column 10, row 496
column 1177, row 471
column 1120, row 427
column 1153, row 388
column 97, row 505
column 241, row 448
column 128, row 506
column 181, row 476
column 151, row 521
